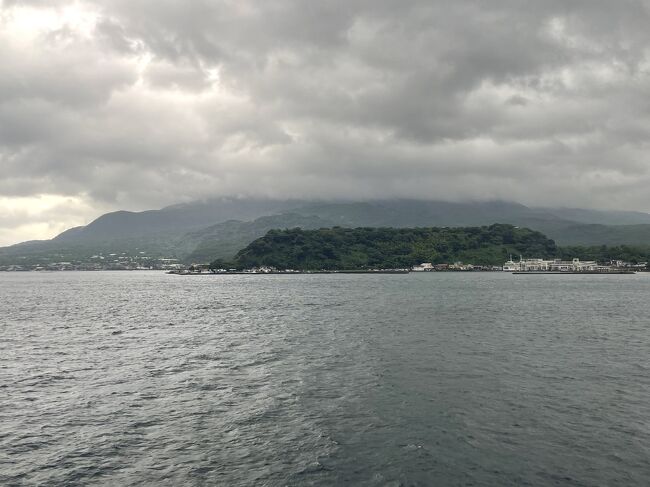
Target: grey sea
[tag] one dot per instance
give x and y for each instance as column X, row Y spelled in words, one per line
column 143, row 378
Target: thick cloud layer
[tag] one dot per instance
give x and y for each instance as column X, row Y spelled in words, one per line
column 140, row 103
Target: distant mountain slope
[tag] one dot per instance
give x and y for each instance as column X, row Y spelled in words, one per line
column 225, row 239
column 219, row 227
column 413, row 213
column 172, row 219
column 602, row 235
column 600, row 217
column 154, row 232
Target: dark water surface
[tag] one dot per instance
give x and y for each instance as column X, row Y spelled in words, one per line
column 421, row 379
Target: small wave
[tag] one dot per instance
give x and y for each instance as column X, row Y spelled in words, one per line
column 313, row 467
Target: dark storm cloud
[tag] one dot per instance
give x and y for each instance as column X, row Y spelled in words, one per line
column 142, row 103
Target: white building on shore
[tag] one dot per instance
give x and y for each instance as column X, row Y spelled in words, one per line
column 541, row 265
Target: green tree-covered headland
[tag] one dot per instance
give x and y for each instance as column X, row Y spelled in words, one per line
column 392, row 248
column 389, row 248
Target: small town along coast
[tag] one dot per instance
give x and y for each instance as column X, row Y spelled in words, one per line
column 522, row 266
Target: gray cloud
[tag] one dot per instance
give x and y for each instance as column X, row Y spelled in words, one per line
column 141, row 103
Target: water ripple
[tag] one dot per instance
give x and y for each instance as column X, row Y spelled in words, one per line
column 442, row 379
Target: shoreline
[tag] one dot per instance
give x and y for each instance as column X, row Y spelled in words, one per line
column 275, row 273
column 397, row 272
column 556, row 273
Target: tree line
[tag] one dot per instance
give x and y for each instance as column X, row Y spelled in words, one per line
column 388, row 248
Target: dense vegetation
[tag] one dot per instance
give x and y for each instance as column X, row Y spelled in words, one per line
column 603, row 253
column 385, row 248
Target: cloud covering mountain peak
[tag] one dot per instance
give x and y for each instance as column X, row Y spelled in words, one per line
column 137, row 104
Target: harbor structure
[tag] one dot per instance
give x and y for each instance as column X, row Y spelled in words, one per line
column 556, row 265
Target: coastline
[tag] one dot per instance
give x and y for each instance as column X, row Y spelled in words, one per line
column 397, row 272
column 557, row 273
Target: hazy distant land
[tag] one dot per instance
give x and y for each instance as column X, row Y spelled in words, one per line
column 201, row 232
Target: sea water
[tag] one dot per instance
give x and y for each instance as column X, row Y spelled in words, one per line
column 143, row 378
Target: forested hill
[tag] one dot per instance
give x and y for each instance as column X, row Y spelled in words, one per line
column 359, row 248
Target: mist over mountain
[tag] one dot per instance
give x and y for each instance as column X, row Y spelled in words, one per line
column 599, row 217
column 218, row 228
column 136, row 105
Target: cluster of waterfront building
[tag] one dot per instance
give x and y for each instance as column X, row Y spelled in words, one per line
column 574, row 265
column 99, row 262
column 456, row 266
column 522, row 265
column 556, row 265
column 536, row 265
column 174, row 266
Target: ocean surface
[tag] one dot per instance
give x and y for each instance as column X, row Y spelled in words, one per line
column 143, row 378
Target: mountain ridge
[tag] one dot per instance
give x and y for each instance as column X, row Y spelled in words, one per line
column 207, row 229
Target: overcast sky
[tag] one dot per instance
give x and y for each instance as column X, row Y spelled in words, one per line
column 136, row 104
